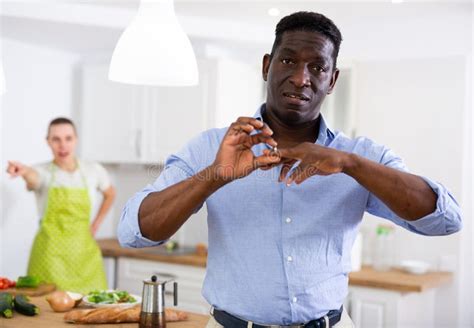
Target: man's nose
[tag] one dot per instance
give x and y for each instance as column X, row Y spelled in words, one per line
column 301, row 77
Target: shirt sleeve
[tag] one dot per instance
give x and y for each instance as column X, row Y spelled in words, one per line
column 445, row 220
column 177, row 168
column 103, row 179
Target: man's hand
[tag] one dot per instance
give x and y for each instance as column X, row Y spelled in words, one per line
column 16, row 169
column 235, row 158
column 314, row 160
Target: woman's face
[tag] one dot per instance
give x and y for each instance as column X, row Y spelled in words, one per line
column 62, row 140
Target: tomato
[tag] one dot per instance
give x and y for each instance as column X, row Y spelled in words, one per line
column 6, row 283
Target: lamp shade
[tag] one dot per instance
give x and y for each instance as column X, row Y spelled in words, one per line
column 154, row 50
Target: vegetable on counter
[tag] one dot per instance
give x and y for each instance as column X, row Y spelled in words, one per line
column 22, row 305
column 60, row 301
column 27, row 282
column 6, row 283
column 110, row 297
column 172, row 245
column 6, row 305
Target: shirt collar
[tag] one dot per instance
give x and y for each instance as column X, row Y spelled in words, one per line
column 326, row 135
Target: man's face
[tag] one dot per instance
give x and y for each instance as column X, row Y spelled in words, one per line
column 299, row 75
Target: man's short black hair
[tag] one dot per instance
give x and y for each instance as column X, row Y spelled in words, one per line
column 308, row 21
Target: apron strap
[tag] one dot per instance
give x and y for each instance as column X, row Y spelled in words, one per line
column 53, row 174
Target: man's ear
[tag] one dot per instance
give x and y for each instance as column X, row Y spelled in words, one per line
column 334, row 77
column 265, row 66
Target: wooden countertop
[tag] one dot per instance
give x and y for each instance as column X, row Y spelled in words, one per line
column 50, row 319
column 398, row 280
column 111, row 248
column 395, row 280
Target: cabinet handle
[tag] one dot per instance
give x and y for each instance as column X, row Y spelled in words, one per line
column 138, row 144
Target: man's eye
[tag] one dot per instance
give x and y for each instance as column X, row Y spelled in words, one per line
column 286, row 61
column 319, row 69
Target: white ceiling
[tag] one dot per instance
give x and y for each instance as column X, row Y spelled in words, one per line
column 95, row 25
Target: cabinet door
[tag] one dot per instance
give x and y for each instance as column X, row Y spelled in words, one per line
column 111, row 122
column 375, row 308
column 238, row 90
column 174, row 115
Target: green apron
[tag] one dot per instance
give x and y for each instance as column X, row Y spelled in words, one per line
column 64, row 251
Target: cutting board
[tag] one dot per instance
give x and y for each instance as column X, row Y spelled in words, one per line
column 42, row 289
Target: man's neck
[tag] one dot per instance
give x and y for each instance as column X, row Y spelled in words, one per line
column 291, row 135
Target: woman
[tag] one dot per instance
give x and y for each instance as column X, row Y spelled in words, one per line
column 64, row 250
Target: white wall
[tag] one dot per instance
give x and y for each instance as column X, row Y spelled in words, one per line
column 418, row 108
column 39, row 89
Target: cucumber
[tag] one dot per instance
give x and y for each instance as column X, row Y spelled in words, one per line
column 6, row 305
column 27, row 282
column 22, row 306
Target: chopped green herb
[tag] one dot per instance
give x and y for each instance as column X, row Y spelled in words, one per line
column 110, row 297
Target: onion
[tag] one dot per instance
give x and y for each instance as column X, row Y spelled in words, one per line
column 60, row 301
column 76, row 297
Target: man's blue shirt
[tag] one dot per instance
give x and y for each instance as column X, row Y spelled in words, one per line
column 278, row 254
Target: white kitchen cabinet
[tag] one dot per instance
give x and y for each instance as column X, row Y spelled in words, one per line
column 122, row 123
column 110, row 121
column 131, row 273
column 379, row 308
column 339, row 108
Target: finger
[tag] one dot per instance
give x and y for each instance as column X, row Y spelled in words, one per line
column 266, row 130
column 284, row 170
column 12, row 170
column 238, row 128
column 305, row 173
column 290, row 153
column 262, row 161
column 268, row 167
column 296, row 173
column 252, row 121
column 301, row 173
column 259, row 138
column 262, row 126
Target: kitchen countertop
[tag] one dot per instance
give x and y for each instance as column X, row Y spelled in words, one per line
column 111, row 248
column 398, row 280
column 395, row 280
column 50, row 319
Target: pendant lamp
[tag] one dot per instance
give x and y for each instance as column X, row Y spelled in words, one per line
column 154, row 50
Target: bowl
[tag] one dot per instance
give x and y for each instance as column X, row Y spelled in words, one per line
column 85, row 301
column 415, row 267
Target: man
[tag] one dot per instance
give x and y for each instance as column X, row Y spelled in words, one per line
column 282, row 221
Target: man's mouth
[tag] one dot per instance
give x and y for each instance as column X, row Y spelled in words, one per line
column 296, row 98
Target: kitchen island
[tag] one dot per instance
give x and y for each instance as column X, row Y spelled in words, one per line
column 50, row 319
column 392, row 298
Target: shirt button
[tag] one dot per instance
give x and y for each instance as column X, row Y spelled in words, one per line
column 295, row 299
column 289, row 259
column 288, row 220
